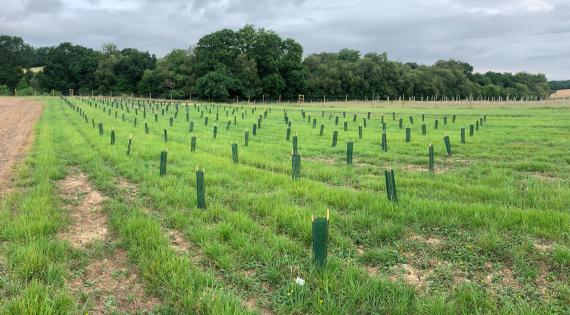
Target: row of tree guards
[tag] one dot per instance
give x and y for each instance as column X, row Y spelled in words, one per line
column 320, row 226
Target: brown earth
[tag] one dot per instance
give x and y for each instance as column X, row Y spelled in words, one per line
column 112, row 285
column 18, row 117
column 89, row 223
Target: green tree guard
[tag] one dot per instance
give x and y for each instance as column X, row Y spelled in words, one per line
column 129, row 145
column 320, row 230
column 100, row 125
column 215, row 131
column 408, row 134
column 246, row 138
column 453, row 118
column 383, row 126
column 445, row 120
column 393, row 115
column 163, row 157
column 187, row 116
column 322, row 130
column 335, row 137
column 463, row 135
column 288, row 133
column 364, row 122
column 165, row 136
column 431, row 162
column 235, row 153
column 349, row 149
column 345, row 125
column 471, row 130
column 206, row 121
column 200, row 189
column 295, row 142
column 401, row 123
column 146, row 127
column 295, row 166
column 481, row 121
column 171, row 122
column 135, row 122
column 436, row 124
column 193, row 143
column 485, row 118
column 368, row 115
column 447, row 145
column 191, row 126
column 155, row 117
column 411, row 120
column 424, row 129
column 390, row 184
column 354, row 118
column 477, row 125
column 314, row 123
column 112, row 136
column 384, row 142
column 359, row 131
column 336, row 121
column 423, row 117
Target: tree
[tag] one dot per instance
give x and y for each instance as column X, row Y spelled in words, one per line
column 70, row 66
column 15, row 57
column 214, row 85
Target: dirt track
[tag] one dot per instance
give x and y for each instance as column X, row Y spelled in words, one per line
column 17, row 119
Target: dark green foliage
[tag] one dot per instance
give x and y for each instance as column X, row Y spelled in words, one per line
column 200, row 189
column 320, row 231
column 447, row 145
column 163, row 157
column 431, row 160
column 335, row 137
column 390, row 184
column 295, row 166
column 235, row 153
column 349, row 150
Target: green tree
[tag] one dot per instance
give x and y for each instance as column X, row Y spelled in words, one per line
column 15, row 57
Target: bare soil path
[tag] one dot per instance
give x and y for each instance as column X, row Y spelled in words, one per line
column 18, row 117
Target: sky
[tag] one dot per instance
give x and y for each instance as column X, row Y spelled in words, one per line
column 492, row 35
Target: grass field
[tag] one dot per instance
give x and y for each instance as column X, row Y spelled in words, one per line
column 92, row 229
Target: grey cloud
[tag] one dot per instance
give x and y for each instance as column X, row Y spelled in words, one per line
column 501, row 35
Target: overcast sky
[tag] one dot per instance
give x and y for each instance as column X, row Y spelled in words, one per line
column 499, row 35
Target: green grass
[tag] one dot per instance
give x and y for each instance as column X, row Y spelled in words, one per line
column 471, row 231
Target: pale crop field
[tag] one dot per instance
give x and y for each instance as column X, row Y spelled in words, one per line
column 100, row 220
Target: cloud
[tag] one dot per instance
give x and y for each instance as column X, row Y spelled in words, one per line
column 505, row 35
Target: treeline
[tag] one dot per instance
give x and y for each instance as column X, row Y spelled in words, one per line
column 559, row 85
column 247, row 64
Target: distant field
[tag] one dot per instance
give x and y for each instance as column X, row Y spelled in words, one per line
column 92, row 229
column 561, row 93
